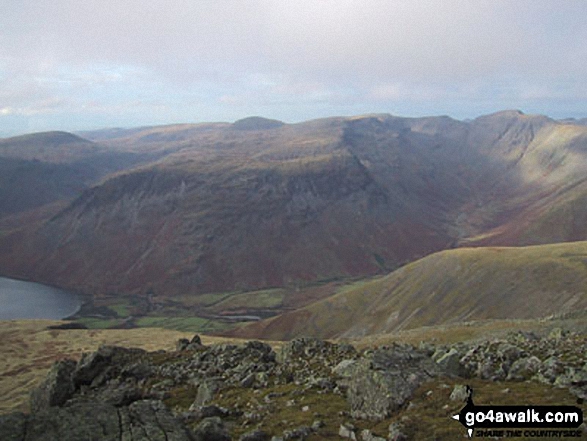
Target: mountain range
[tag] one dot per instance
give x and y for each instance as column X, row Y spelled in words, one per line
column 193, row 209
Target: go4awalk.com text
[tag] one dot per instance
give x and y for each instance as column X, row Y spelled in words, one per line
column 520, row 421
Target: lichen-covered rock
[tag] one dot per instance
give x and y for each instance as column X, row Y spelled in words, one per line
column 255, row 435
column 524, row 368
column 450, row 363
column 96, row 421
column 396, row 433
column 57, row 387
column 211, row 429
column 13, row 426
column 347, row 431
column 460, row 393
column 98, row 367
column 304, row 348
column 104, row 395
column 151, row 420
column 382, row 381
column 206, row 392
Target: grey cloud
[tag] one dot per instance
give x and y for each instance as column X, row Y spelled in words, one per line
column 273, row 54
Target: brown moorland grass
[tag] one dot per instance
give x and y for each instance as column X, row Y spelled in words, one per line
column 28, row 349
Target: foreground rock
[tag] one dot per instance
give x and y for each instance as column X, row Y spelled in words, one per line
column 248, row 392
column 382, row 381
column 141, row 421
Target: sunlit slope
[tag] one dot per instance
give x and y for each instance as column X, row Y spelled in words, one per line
column 447, row 287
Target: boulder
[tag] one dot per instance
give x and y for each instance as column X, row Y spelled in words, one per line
column 347, row 431
column 211, row 429
column 384, row 380
column 396, row 433
column 56, row 389
column 450, row 363
column 524, row 368
column 460, row 393
column 205, row 394
column 97, row 367
column 141, row 421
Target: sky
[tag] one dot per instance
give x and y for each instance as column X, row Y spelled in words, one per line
column 81, row 65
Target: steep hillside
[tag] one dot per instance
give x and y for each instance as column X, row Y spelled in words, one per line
column 447, row 287
column 260, row 204
column 261, row 211
column 43, row 168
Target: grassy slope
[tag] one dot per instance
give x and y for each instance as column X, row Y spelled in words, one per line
column 447, row 287
column 28, row 349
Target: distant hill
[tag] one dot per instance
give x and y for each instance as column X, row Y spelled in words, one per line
column 256, row 123
column 452, row 286
column 54, row 147
column 42, row 168
column 214, row 209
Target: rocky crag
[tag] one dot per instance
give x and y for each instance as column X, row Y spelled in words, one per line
column 309, row 389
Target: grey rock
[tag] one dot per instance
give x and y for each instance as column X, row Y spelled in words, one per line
column 557, row 334
column 119, row 394
column 396, row 433
column 138, row 371
column 460, row 393
column 56, row 389
column 345, row 368
column 524, row 368
column 182, row 344
column 98, row 367
column 248, row 381
column 317, row 424
column 255, row 435
column 151, row 420
column 91, row 365
column 508, row 352
column 211, row 429
column 13, row 426
column 384, row 380
column 450, row 363
column 301, row 432
column 205, row 394
column 96, row 421
column 305, row 347
column 347, row 431
column 86, row 421
column 211, row 411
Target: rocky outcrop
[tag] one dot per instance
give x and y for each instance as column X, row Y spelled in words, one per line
column 249, row 392
column 141, row 421
column 383, row 380
column 56, row 389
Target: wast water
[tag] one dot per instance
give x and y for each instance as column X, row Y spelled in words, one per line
column 28, row 300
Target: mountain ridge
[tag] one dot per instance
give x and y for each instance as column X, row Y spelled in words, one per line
column 215, row 209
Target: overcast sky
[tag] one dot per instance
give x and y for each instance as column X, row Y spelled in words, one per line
column 74, row 65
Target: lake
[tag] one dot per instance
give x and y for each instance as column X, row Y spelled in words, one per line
column 28, row 300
